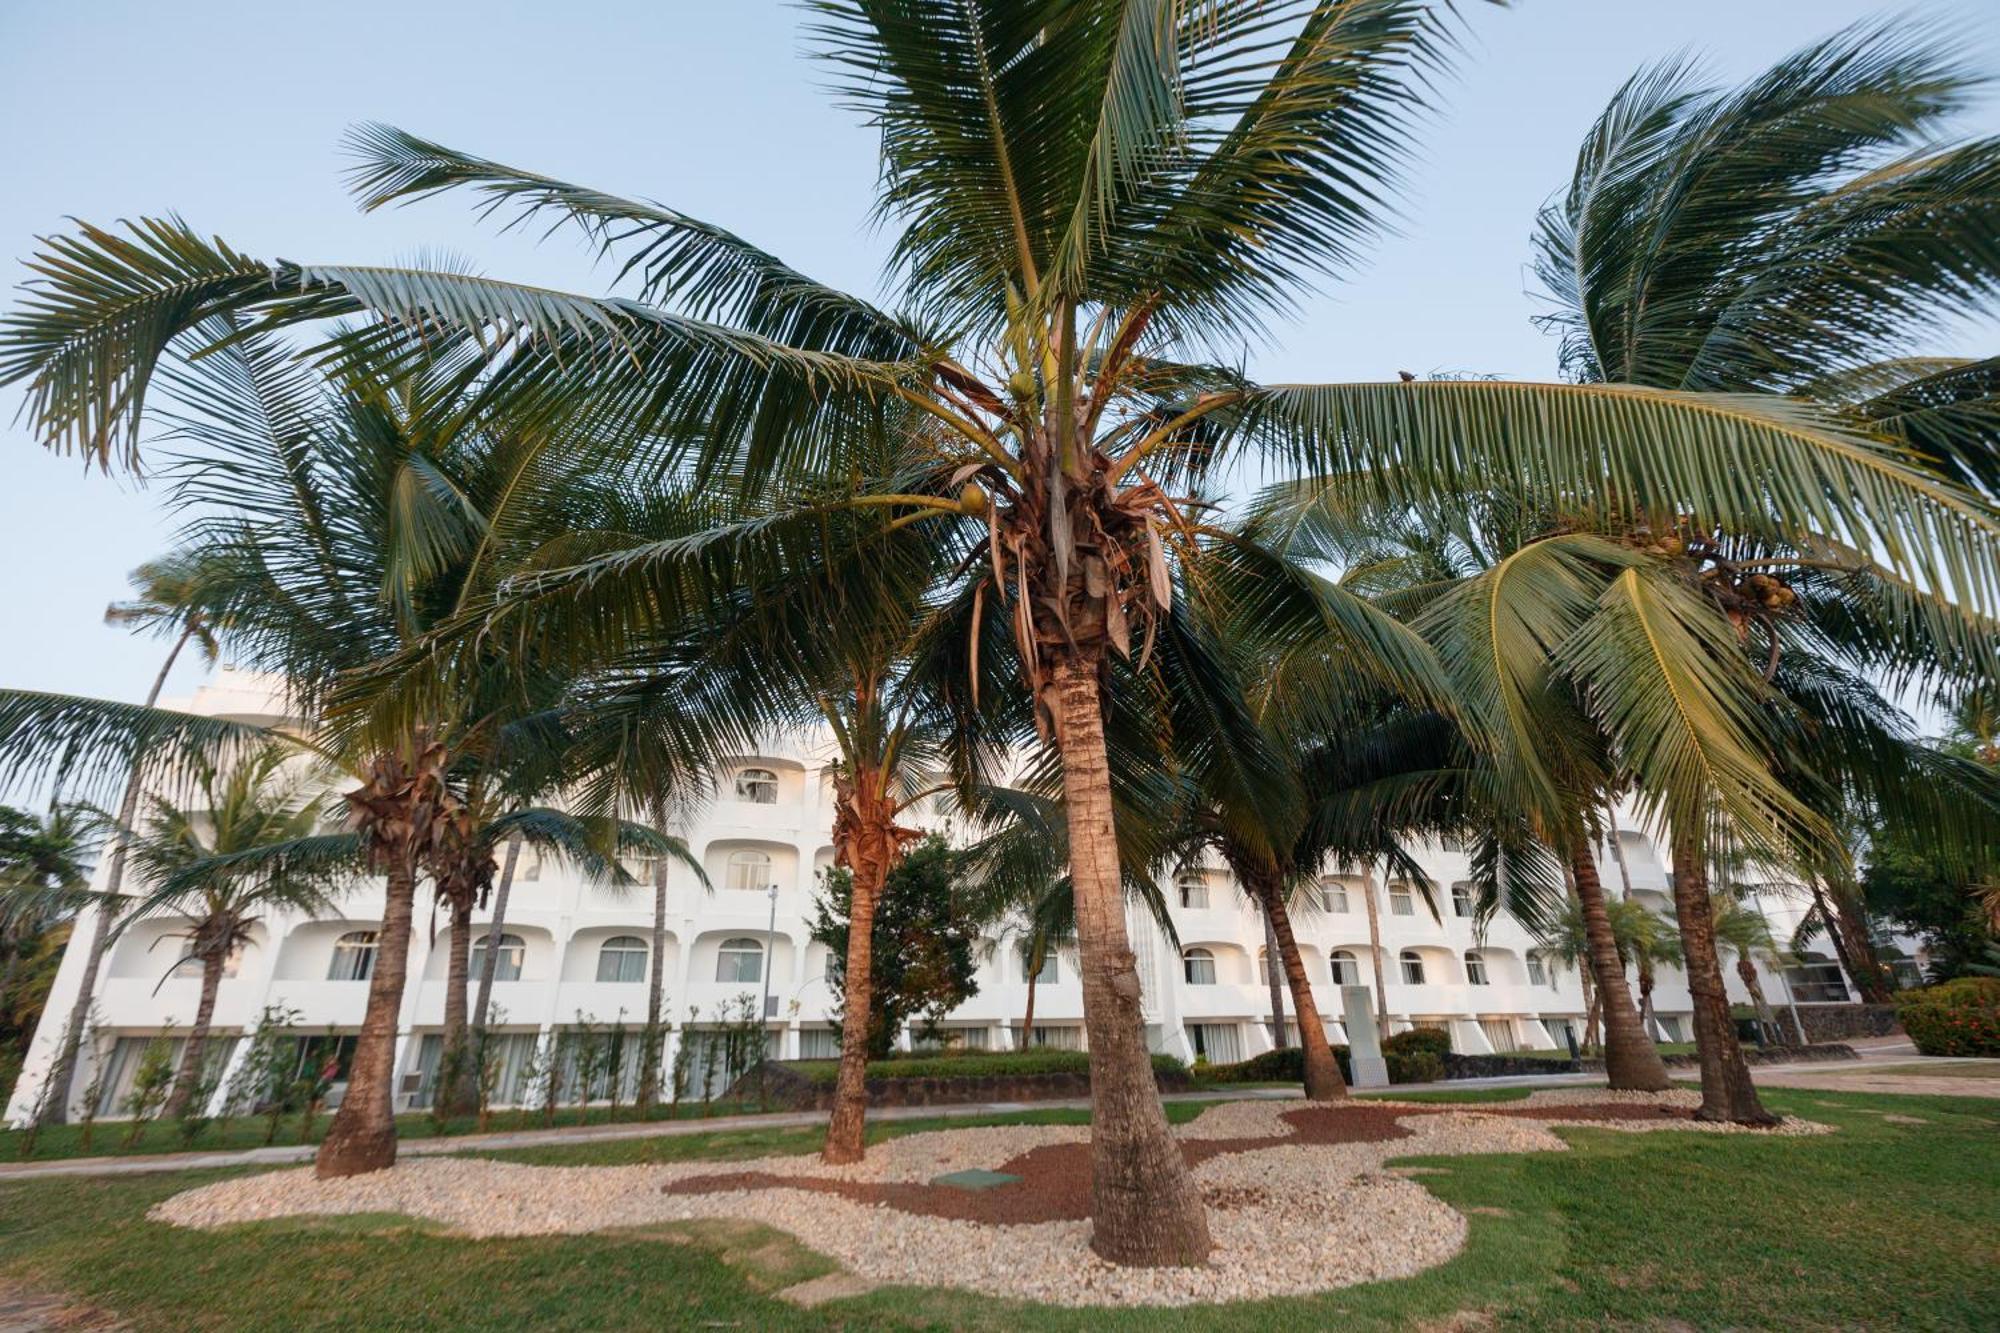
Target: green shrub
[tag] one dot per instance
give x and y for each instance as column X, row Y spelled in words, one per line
column 973, row 1064
column 1285, row 1065
column 1416, row 1056
column 1960, row 1017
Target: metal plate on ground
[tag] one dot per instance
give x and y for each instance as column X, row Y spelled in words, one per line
column 974, row 1179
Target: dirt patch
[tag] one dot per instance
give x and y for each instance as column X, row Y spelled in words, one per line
column 832, row 1287
column 28, row 1310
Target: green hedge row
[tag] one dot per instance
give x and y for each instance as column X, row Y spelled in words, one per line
column 1960, row 1017
column 1416, row 1056
column 972, row 1064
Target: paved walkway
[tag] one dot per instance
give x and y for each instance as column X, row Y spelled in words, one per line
column 1872, row 1073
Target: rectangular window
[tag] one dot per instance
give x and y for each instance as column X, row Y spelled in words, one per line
column 1217, row 1043
column 1058, row 1037
column 1402, row 900
column 1194, row 892
column 1499, row 1033
column 819, row 1044
column 1462, row 902
column 1049, row 974
column 1538, row 974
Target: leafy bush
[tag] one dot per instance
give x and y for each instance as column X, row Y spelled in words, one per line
column 1416, row 1056
column 1960, row 1017
column 973, row 1064
column 1284, row 1065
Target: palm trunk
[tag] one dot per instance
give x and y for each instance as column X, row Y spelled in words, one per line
column 1323, row 1081
column 1583, row 977
column 1375, row 959
column 1271, row 966
column 656, row 988
column 1144, row 1206
column 1766, row 1017
column 866, row 843
column 491, row 962
column 1851, row 945
column 1028, row 1018
column 188, row 1079
column 1631, row 1061
column 362, row 1136
column 55, row 1099
column 458, row 1088
column 1646, row 997
column 1726, row 1090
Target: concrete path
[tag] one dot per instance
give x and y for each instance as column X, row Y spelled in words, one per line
column 1858, row 1076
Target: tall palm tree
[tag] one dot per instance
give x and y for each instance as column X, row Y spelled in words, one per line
column 167, row 604
column 1093, row 198
column 251, row 842
column 44, row 882
column 1746, row 932
column 1802, row 234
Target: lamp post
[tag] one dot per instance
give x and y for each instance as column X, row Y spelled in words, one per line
column 770, row 957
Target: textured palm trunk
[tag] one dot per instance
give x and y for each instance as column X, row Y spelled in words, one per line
column 1272, row 983
column 458, row 1084
column 1144, row 1207
column 1322, row 1072
column 1871, row 978
column 1375, row 960
column 1631, row 1061
column 1646, row 980
column 1589, row 1006
column 489, row 964
column 865, row 842
column 1028, row 1018
column 1767, row 1018
column 362, row 1136
column 656, row 992
column 1726, row 1090
column 188, row 1079
column 55, row 1097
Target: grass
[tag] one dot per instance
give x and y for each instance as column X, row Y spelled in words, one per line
column 968, row 1064
column 236, row 1132
column 1940, row 1069
column 1883, row 1225
column 1663, row 1047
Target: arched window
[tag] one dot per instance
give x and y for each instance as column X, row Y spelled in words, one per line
column 1346, row 971
column 1193, row 889
column 740, row 960
column 1334, row 896
column 1475, row 968
column 353, row 957
column 1461, row 899
column 1047, row 975
column 506, row 964
column 1538, row 971
column 1413, row 967
column 749, row 871
column 623, row 958
column 759, row 786
column 1198, row 965
column 1402, row 901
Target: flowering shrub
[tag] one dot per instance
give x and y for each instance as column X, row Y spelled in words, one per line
column 1958, row 1018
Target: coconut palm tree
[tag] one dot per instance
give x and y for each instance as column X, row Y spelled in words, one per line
column 1746, row 932
column 1091, row 197
column 252, row 841
column 165, row 604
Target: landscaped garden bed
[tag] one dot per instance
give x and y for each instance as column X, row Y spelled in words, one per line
column 942, row 1080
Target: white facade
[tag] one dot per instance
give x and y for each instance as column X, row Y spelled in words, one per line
column 1494, row 991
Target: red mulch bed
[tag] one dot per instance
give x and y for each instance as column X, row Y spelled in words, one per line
column 1055, row 1180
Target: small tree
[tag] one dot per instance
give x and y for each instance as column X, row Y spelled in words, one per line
column 489, row 1050
column 152, row 1083
column 684, row 1057
column 925, row 942
column 263, row 1083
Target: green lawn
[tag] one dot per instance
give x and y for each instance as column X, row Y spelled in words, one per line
column 1883, row 1225
column 108, row 1137
column 1931, row 1069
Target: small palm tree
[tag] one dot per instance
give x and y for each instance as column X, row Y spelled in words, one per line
column 252, row 842
column 1746, row 932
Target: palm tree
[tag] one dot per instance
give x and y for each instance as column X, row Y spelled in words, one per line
column 253, row 842
column 1091, row 199
column 44, row 881
column 1650, row 941
column 1798, row 235
column 1746, row 932
column 166, row 604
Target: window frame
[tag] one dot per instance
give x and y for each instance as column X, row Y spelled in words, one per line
column 749, row 858
column 739, row 947
column 348, row 945
column 1410, row 961
column 624, row 953
column 1331, row 891
column 510, row 943
column 751, row 780
column 1476, row 971
column 1402, row 899
column 1190, row 964
column 1197, row 882
column 1351, row 959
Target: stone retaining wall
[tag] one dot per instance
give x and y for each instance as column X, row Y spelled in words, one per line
column 1838, row 1022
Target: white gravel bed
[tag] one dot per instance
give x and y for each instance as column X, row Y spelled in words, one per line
column 1286, row 1220
column 1688, row 1097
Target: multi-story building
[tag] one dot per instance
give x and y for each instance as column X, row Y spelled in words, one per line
column 576, row 953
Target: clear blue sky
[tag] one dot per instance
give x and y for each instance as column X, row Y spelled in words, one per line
column 231, row 114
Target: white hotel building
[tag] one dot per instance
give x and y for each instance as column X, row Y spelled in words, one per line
column 578, row 952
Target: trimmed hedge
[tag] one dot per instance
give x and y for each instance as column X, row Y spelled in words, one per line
column 1416, row 1056
column 1960, row 1017
column 971, row 1064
